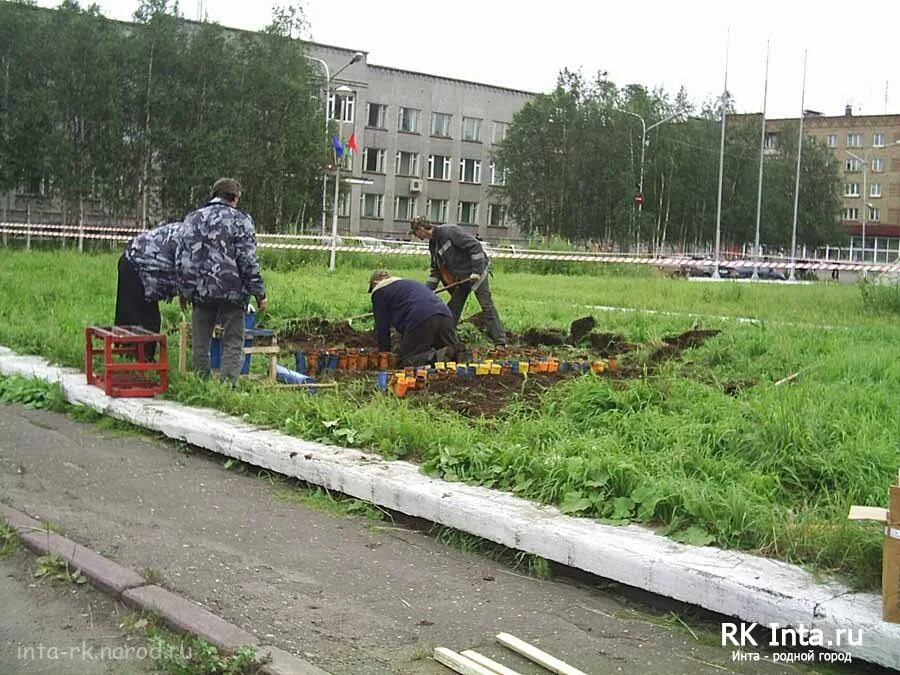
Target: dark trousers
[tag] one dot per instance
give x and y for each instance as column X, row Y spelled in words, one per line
column 131, row 307
column 420, row 343
column 458, row 297
column 204, row 318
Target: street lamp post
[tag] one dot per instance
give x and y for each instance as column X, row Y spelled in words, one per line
column 328, row 78
column 644, row 130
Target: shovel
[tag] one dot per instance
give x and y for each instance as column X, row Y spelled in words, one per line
column 359, row 317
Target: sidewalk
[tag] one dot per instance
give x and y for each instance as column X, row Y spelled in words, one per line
column 344, row 594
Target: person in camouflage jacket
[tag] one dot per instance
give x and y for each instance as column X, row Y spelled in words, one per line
column 217, row 271
column 146, row 276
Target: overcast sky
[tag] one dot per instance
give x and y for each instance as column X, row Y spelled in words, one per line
column 652, row 43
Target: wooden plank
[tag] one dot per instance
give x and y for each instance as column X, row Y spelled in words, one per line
column 459, row 663
column 183, row 329
column 542, row 658
column 868, row 513
column 488, row 663
column 273, row 349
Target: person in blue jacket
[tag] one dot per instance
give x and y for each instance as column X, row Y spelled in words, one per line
column 424, row 321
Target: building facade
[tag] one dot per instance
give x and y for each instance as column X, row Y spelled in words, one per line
column 426, row 147
column 867, row 148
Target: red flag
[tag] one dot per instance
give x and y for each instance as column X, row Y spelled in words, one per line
column 351, row 143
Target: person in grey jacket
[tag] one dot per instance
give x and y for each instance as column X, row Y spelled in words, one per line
column 146, row 276
column 217, row 271
column 458, row 256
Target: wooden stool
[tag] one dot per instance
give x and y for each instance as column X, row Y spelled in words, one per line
column 268, row 336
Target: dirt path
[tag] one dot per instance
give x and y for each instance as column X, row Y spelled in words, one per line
column 350, row 596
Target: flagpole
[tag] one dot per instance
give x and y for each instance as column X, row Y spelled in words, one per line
column 721, row 162
column 793, row 276
column 757, row 253
column 334, row 215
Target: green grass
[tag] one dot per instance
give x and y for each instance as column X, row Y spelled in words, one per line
column 771, row 469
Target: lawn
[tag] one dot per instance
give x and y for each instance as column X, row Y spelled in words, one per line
column 764, row 468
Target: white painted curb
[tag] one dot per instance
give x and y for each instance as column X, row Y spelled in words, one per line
column 732, row 583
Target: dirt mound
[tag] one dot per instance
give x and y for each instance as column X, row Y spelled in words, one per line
column 486, row 395
column 580, row 328
column 691, row 338
column 317, row 333
column 675, row 344
column 549, row 337
column 610, row 344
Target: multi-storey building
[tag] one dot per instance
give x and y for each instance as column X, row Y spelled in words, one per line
column 867, row 148
column 426, row 147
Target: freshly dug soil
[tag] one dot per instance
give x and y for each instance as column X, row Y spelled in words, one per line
column 580, row 328
column 486, row 395
column 611, row 344
column 692, row 338
column 536, row 336
column 317, row 333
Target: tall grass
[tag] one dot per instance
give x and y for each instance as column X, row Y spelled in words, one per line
column 772, row 469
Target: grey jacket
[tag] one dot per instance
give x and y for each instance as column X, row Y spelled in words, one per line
column 215, row 260
column 152, row 254
column 457, row 251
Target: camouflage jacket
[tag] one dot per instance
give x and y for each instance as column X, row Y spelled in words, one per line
column 152, row 254
column 215, row 259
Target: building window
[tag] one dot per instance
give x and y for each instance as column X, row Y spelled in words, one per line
column 877, row 164
column 470, row 171
column 373, row 160
column 440, row 124
column 874, row 213
column 851, row 213
column 875, row 190
column 467, row 213
column 438, row 167
column 831, row 140
column 376, row 115
column 851, row 189
column 407, row 164
column 499, row 132
column 497, row 215
column 878, row 139
column 344, row 110
column 771, row 141
column 498, row 174
column 854, row 140
column 853, row 165
column 409, row 120
column 371, row 205
column 437, row 210
column 344, row 204
column 471, row 129
column 404, row 208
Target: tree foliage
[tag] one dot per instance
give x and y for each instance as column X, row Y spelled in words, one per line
column 141, row 118
column 573, row 167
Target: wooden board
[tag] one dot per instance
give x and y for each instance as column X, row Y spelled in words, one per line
column 459, row 663
column 490, row 664
column 542, row 658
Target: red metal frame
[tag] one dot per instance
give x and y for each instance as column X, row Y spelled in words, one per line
column 126, row 377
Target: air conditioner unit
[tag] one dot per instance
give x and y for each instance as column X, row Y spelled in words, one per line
column 415, row 185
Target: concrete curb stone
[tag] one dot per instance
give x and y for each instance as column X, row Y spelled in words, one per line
column 102, row 572
column 189, row 617
column 129, row 586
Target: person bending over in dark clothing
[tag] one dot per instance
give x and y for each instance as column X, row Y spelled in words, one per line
column 425, row 323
